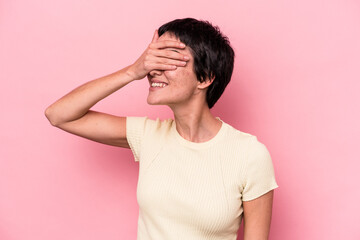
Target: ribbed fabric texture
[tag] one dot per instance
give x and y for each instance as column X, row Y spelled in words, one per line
column 190, row 190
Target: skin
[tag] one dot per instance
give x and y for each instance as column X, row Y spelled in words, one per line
column 257, row 217
column 165, row 60
column 185, row 95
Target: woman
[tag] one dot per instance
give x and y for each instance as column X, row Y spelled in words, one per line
column 198, row 176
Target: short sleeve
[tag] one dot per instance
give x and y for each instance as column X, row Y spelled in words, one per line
column 259, row 171
column 135, row 129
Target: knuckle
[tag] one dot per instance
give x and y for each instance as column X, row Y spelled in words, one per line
column 169, row 43
column 146, row 65
column 167, row 54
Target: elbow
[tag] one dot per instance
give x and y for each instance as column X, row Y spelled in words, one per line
column 50, row 117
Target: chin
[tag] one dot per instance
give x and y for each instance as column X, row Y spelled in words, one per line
column 151, row 101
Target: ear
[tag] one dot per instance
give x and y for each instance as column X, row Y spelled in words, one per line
column 206, row 83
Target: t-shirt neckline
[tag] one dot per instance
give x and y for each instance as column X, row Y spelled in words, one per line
column 200, row 145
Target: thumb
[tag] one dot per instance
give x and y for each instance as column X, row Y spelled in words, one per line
column 156, row 36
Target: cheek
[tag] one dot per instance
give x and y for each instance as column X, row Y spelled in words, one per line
column 171, row 75
column 175, row 77
column 181, row 74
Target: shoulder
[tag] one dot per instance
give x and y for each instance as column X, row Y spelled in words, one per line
column 147, row 125
column 238, row 137
column 245, row 142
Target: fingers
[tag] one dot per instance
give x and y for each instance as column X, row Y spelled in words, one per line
column 155, row 37
column 164, row 44
column 172, row 54
column 179, row 62
column 162, row 67
column 157, row 57
column 167, row 44
column 158, row 49
column 169, row 61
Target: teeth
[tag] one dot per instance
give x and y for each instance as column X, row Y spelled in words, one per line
column 158, row 84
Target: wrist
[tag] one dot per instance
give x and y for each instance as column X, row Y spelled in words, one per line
column 129, row 73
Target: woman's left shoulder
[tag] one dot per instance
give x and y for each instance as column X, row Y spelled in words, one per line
column 244, row 139
column 237, row 135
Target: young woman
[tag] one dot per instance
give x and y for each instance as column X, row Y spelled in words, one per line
column 198, row 176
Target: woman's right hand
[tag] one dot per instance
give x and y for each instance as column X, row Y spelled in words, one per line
column 156, row 57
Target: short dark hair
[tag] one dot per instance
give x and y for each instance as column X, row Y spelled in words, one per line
column 213, row 55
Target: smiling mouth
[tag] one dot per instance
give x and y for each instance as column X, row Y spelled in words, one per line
column 158, row 84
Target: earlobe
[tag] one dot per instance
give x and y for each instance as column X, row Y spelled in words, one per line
column 206, row 83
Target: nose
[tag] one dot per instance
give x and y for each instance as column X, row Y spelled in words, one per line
column 154, row 72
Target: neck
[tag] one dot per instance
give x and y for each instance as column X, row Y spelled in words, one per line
column 195, row 122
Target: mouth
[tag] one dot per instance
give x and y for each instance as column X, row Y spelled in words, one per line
column 156, row 84
column 159, row 85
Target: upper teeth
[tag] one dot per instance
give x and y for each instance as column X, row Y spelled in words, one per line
column 158, row 84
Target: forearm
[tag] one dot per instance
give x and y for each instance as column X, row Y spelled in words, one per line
column 77, row 103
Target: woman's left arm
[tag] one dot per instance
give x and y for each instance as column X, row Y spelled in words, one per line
column 257, row 217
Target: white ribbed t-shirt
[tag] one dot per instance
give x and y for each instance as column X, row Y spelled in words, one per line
column 189, row 190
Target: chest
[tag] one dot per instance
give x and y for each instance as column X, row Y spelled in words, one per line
column 195, row 186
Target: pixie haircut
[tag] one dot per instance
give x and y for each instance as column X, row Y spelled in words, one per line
column 211, row 50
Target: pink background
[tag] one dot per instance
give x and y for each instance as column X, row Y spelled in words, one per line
column 295, row 86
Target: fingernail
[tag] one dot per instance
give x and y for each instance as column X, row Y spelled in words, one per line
column 182, row 45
